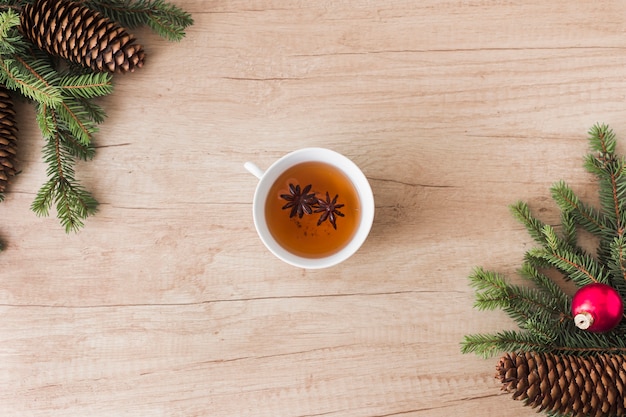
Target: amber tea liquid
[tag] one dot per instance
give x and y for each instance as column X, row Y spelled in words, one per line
column 302, row 236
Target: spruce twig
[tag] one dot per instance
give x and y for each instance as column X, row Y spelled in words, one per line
column 73, row 203
column 166, row 20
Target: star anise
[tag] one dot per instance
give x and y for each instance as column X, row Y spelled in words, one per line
column 299, row 201
column 329, row 209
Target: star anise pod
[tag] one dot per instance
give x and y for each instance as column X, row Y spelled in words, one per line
column 329, row 209
column 299, row 201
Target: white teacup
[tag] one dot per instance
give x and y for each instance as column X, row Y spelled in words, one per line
column 268, row 178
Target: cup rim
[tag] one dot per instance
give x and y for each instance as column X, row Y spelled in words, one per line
column 350, row 169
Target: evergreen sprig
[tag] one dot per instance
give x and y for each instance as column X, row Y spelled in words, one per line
column 64, row 96
column 165, row 19
column 541, row 309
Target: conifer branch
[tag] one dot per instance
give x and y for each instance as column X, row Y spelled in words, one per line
column 569, row 225
column 556, row 298
column 18, row 74
column 489, row 345
column 165, row 19
column 73, row 203
column 528, row 307
column 581, row 269
column 87, row 86
column 602, row 139
column 581, row 214
column 610, row 170
column 616, row 265
column 78, row 120
column 521, row 212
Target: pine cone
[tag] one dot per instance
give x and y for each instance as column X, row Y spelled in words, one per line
column 571, row 385
column 80, row 35
column 8, row 138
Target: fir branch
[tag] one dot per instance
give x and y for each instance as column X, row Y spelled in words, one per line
column 165, row 19
column 613, row 192
column 552, row 241
column 575, row 341
column 616, row 264
column 489, row 345
column 18, row 74
column 49, row 128
column 168, row 22
column 610, row 171
column 602, row 139
column 95, row 112
column 87, row 86
column 570, row 205
column 73, row 203
column 77, row 120
column 555, row 296
column 580, row 268
column 489, row 287
column 10, row 39
column 21, row 71
column 543, row 338
column 533, row 225
column 524, row 305
column 541, row 330
column 569, row 225
column 529, row 307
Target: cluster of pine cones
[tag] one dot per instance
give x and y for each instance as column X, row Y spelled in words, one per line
column 73, row 32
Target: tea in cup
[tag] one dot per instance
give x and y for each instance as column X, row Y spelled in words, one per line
column 313, row 208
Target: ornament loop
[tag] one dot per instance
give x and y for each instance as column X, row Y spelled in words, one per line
column 583, row 320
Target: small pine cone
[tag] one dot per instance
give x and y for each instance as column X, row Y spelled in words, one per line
column 80, row 35
column 8, row 138
column 579, row 386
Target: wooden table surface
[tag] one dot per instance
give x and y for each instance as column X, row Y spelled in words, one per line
column 168, row 304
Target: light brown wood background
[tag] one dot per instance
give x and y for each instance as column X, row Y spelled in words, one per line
column 167, row 303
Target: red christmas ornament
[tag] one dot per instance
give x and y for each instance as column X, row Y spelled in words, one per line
column 597, row 308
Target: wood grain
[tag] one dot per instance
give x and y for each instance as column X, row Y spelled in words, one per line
column 167, row 303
